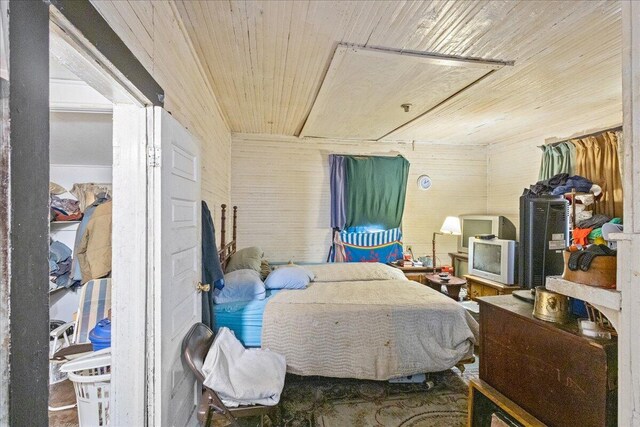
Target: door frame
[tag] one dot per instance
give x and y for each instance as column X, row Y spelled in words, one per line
column 132, row 337
column 77, row 32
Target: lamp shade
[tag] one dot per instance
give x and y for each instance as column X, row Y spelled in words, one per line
column 451, row 225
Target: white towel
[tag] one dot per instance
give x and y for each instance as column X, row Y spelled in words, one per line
column 241, row 376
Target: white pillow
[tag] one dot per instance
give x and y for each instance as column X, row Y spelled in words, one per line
column 240, row 285
column 289, row 277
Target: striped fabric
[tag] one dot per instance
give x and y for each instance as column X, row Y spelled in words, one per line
column 378, row 238
column 95, row 302
column 380, row 246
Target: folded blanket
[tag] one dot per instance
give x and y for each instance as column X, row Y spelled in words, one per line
column 241, row 376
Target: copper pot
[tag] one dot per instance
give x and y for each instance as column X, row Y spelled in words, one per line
column 550, row 306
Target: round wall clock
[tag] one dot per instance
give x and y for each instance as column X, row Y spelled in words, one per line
column 424, row 182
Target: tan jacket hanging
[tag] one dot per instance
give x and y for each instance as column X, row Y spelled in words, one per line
column 94, row 252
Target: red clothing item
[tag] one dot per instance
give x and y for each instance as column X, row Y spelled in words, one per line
column 73, row 217
column 580, row 236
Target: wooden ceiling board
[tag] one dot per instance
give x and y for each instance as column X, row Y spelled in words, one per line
column 364, row 89
column 574, row 77
column 266, row 60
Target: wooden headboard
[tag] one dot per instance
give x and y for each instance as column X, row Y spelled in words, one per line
column 227, row 249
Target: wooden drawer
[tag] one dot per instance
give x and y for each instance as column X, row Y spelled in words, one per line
column 489, row 292
column 475, row 290
column 479, row 287
column 416, row 277
column 484, row 400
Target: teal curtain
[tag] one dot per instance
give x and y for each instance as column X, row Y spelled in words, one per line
column 557, row 158
column 375, row 191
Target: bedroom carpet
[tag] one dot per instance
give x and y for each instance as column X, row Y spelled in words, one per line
column 333, row 402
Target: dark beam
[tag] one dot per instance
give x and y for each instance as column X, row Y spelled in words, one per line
column 29, row 208
column 97, row 31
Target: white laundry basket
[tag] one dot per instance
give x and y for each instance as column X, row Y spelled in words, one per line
column 91, row 377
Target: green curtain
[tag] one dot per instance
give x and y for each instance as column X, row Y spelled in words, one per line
column 557, row 158
column 375, row 190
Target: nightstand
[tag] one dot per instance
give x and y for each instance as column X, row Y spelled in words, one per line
column 417, row 274
column 453, row 284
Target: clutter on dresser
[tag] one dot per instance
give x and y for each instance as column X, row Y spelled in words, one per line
column 551, row 306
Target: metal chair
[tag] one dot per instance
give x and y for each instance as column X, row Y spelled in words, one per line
column 195, row 347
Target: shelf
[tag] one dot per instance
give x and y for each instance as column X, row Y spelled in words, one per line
column 63, row 223
column 608, row 301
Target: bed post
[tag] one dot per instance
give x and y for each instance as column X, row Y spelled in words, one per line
column 235, row 216
column 223, row 223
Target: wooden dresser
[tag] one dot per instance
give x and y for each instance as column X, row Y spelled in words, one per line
column 549, row 370
column 479, row 287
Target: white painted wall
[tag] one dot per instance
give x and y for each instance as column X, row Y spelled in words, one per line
column 281, row 188
column 511, row 167
column 81, row 138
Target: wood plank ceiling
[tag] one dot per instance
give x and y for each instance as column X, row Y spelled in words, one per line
column 266, row 60
column 368, row 93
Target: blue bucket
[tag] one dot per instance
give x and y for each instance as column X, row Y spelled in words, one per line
column 100, row 336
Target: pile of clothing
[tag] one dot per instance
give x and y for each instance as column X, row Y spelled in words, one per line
column 90, row 204
column 588, row 227
column 588, row 231
column 64, row 209
column 59, row 264
column 561, row 184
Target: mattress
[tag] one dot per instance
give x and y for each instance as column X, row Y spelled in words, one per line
column 243, row 318
column 366, row 327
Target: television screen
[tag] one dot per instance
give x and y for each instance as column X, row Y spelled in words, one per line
column 487, row 257
column 473, row 227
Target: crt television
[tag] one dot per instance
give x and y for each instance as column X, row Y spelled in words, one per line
column 473, row 225
column 493, row 259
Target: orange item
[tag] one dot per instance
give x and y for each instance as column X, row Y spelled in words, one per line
column 580, row 236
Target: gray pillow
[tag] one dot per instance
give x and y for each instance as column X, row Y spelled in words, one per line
column 247, row 258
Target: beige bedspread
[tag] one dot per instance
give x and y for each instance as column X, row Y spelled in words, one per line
column 367, row 329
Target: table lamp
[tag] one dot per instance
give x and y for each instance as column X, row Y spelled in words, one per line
column 451, row 226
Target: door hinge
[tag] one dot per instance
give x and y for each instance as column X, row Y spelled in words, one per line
column 153, row 156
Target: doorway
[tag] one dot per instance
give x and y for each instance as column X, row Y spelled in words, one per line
column 155, row 238
column 98, row 171
column 81, row 178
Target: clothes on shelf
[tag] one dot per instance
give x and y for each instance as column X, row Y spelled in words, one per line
column 56, row 189
column 64, row 209
column 59, row 263
column 88, row 193
column 596, row 221
column 590, row 231
column 560, row 184
column 92, row 253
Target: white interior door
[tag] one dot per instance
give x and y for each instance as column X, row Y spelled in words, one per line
column 176, row 238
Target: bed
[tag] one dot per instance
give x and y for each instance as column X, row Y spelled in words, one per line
column 357, row 320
